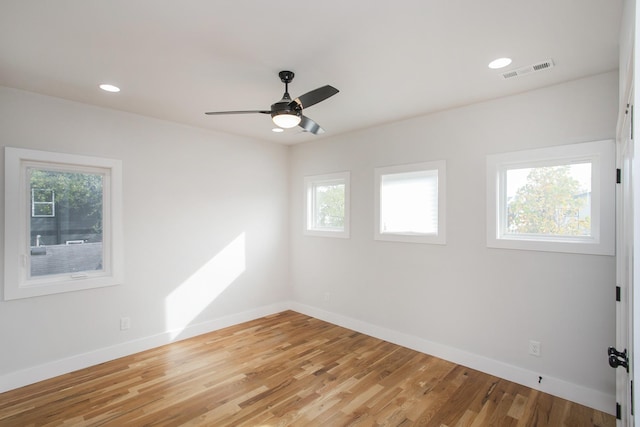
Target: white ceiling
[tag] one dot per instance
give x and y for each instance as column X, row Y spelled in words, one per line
column 174, row 60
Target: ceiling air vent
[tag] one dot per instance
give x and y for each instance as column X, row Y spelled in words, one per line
column 540, row 66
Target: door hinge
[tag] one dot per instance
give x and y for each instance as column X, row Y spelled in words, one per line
column 618, row 176
column 618, row 294
column 618, row 411
column 631, row 397
column 618, row 358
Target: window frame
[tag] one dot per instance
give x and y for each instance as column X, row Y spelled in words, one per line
column 310, row 182
column 17, row 281
column 601, row 155
column 439, row 238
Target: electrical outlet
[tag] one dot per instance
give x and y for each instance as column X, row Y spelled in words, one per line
column 125, row 323
column 534, row 348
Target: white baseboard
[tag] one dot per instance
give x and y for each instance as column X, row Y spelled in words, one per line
column 45, row 371
column 557, row 387
column 554, row 386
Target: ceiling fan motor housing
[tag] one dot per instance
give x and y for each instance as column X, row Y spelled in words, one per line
column 291, row 113
column 285, row 105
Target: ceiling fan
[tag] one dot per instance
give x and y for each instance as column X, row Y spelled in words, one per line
column 287, row 113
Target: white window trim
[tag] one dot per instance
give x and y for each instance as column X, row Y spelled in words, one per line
column 438, row 238
column 602, row 156
column 17, row 283
column 309, row 182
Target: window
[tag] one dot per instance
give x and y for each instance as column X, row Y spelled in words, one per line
column 558, row 199
column 43, row 203
column 410, row 203
column 327, row 205
column 62, row 223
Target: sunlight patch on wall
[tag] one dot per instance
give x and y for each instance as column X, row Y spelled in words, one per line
column 204, row 286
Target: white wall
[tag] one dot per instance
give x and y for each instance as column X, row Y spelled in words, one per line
column 192, row 198
column 464, row 301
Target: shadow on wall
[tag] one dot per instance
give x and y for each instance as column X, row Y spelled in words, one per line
column 204, row 286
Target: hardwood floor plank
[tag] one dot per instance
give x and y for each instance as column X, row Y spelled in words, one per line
column 286, row 369
column 496, row 409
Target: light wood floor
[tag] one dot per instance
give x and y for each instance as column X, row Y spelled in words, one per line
column 286, row 369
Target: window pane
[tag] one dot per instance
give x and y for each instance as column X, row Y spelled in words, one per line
column 409, row 203
column 71, row 240
column 43, row 209
column 549, row 201
column 328, row 212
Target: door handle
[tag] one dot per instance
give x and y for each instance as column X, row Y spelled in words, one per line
column 618, row 358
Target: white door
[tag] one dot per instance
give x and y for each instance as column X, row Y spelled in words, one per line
column 621, row 355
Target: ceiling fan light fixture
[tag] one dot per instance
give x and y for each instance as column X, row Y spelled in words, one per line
column 286, row 120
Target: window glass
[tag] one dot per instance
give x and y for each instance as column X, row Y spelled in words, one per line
column 328, row 205
column 549, row 200
column 410, row 203
column 69, row 239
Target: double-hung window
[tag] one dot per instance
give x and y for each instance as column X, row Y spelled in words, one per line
column 43, row 203
column 63, row 228
column 558, row 199
column 410, row 203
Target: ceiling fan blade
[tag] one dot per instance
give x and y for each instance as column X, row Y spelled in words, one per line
column 214, row 113
column 315, row 96
column 310, row 126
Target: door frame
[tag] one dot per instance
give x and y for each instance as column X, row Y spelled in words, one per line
column 625, row 294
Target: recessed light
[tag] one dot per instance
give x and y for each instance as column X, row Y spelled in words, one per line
column 109, row 88
column 499, row 63
column 277, row 130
